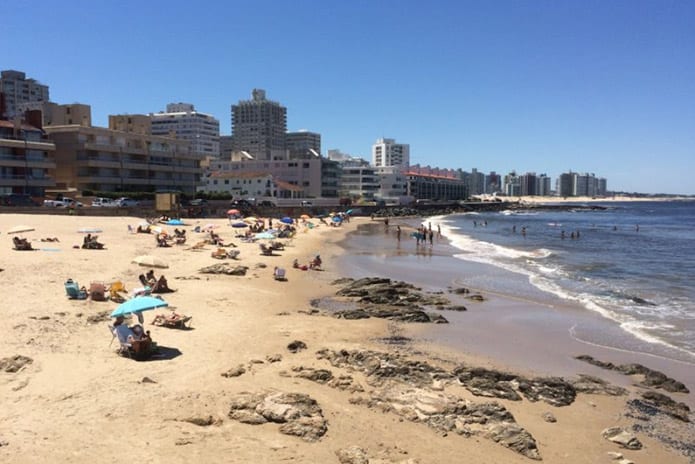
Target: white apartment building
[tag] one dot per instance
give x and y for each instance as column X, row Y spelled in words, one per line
column 18, row 90
column 182, row 121
column 386, row 152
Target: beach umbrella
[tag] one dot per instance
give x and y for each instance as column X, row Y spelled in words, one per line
column 286, row 220
column 233, row 212
column 348, row 211
column 337, row 219
column 250, row 220
column 240, row 224
column 150, row 261
column 138, row 305
column 305, row 216
column 18, row 229
column 175, row 222
column 89, row 230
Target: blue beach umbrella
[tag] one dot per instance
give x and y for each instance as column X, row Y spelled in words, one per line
column 240, row 224
column 175, row 222
column 336, row 219
column 138, row 305
column 287, row 220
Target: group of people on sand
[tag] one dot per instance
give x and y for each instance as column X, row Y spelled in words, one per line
column 314, row 264
column 134, row 337
column 156, row 285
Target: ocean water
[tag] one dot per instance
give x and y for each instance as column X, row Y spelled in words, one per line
column 632, row 263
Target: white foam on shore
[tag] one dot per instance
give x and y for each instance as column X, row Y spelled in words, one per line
column 500, row 256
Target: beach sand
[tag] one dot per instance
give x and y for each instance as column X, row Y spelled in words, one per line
column 78, row 401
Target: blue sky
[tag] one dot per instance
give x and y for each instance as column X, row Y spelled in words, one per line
column 543, row 86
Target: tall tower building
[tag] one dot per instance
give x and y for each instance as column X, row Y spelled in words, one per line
column 386, row 152
column 303, row 144
column 183, row 122
column 259, row 126
column 20, row 90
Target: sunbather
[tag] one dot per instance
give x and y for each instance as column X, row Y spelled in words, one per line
column 173, row 319
column 162, row 240
column 21, row 244
column 315, row 263
column 162, row 286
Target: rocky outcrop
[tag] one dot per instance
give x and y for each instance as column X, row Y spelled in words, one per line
column 394, row 300
column 296, row 346
column 379, row 367
column 489, row 383
column 652, row 378
column 595, row 386
column 298, row 414
column 224, row 268
column 622, row 437
column 449, row 414
column 553, row 390
column 235, row 371
column 14, row 363
column 653, row 403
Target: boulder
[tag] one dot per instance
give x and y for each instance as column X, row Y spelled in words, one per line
column 14, row 363
column 298, row 413
column 622, row 437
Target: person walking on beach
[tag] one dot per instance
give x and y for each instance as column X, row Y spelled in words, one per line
column 439, row 230
column 398, row 233
column 431, row 235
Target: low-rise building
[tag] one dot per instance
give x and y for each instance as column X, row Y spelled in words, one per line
column 101, row 159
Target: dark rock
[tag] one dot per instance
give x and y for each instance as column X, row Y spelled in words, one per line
column 476, row 297
column 553, row 390
column 455, row 308
column 274, row 358
column 296, row 346
column 14, row 363
column 549, row 417
column 593, row 385
column 652, row 378
column 488, row 383
column 382, row 366
column 235, row 371
column 460, row 291
column 352, row 314
column 315, row 375
column 147, row 380
column 298, row 414
column 664, row 404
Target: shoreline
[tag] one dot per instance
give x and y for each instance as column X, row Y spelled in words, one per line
column 511, row 322
column 178, row 409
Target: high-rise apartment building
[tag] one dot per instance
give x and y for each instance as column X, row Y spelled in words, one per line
column 303, row 144
column 183, row 122
column 386, row 152
column 259, row 127
column 18, row 89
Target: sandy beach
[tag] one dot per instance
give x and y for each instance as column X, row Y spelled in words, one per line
column 78, row 401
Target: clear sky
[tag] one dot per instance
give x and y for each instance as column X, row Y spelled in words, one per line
column 534, row 86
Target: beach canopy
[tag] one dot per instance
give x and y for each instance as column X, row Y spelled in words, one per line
column 138, row 305
column 89, row 230
column 18, row 229
column 150, row 261
column 287, row 220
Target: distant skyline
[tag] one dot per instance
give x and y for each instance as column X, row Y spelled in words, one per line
column 543, row 86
